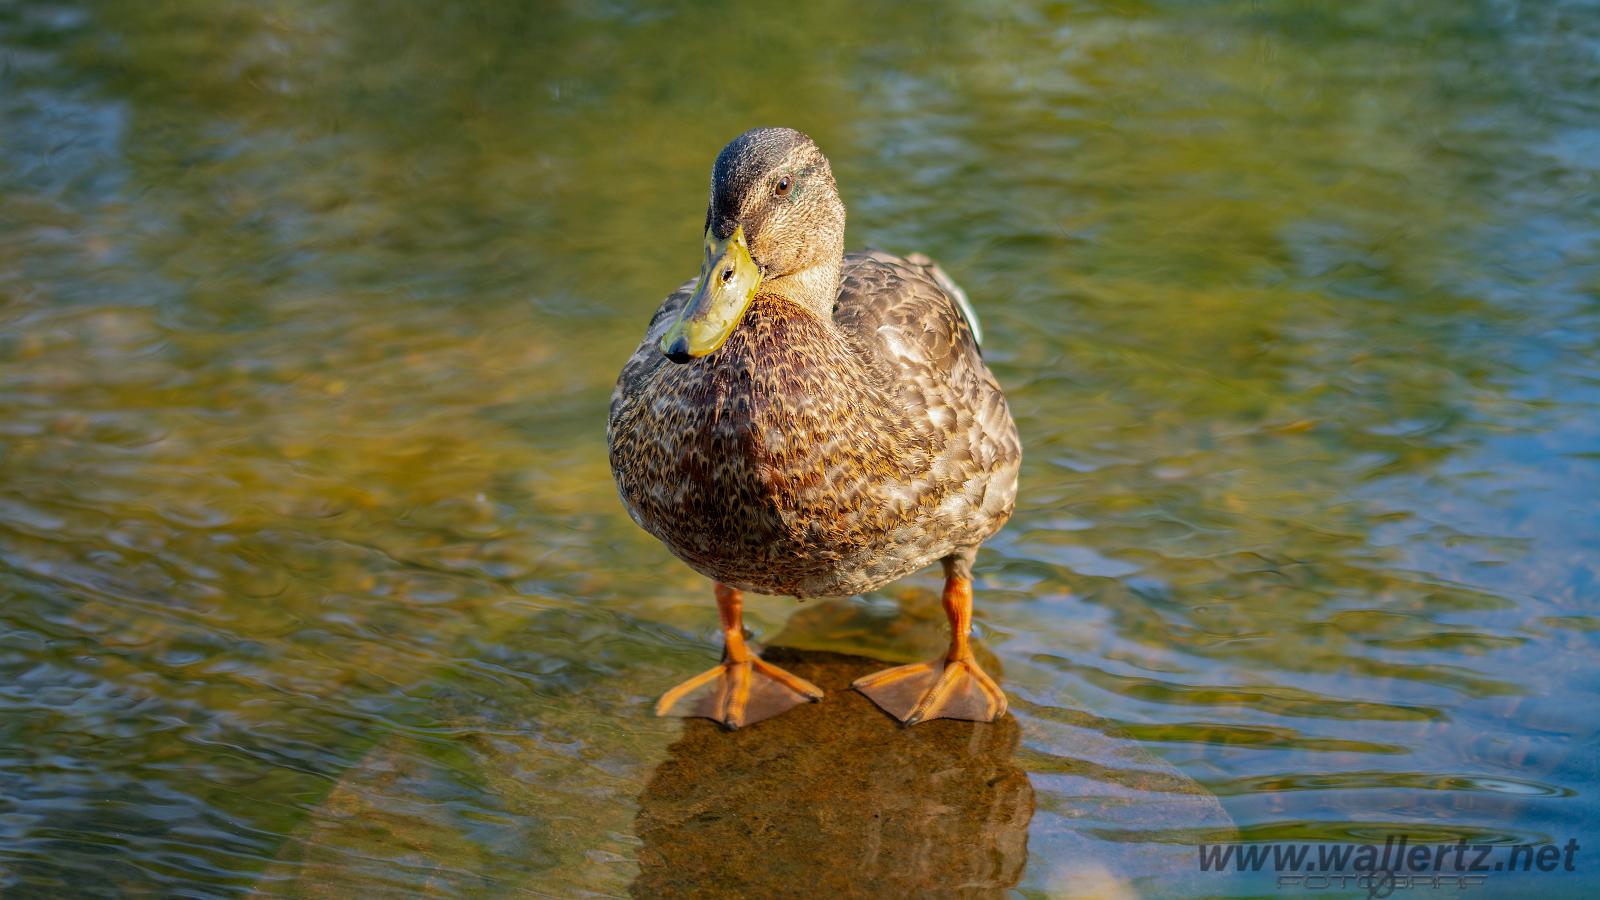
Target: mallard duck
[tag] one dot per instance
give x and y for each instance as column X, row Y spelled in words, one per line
column 802, row 421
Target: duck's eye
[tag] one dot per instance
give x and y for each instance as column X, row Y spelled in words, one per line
column 781, row 189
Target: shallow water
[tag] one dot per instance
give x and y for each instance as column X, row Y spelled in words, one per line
column 312, row 564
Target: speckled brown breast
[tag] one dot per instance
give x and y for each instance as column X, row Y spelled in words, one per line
column 819, row 458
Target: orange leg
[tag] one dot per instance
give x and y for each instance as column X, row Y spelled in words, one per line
column 744, row 689
column 952, row 687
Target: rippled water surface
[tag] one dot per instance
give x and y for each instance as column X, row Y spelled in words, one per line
column 314, row 573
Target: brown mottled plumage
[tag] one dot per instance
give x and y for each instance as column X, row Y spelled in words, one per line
column 846, row 434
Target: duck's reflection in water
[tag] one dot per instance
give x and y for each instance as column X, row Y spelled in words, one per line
column 835, row 799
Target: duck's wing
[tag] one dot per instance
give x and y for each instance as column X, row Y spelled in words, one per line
column 917, row 327
column 910, row 312
column 647, row 357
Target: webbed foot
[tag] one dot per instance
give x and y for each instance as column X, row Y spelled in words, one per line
column 941, row 689
column 738, row 693
column 744, row 689
column 951, row 687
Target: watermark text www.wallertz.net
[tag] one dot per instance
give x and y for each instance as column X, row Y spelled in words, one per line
column 1396, row 864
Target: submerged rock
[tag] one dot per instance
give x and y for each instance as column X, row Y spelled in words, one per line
column 573, row 788
column 835, row 798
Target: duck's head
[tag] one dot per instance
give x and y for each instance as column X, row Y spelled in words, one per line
column 775, row 224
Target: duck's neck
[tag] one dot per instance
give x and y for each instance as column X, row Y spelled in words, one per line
column 816, row 287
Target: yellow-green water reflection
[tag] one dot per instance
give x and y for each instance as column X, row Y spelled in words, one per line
column 309, row 313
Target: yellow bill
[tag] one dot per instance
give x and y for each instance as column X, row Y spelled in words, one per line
column 728, row 282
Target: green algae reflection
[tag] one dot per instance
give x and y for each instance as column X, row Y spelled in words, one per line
column 309, row 313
